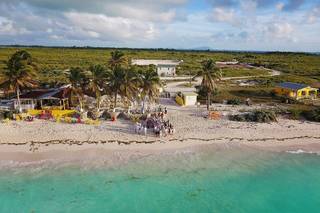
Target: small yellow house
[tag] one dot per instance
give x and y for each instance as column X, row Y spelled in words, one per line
column 295, row 91
column 317, row 86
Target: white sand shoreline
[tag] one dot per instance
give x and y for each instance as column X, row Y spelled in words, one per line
column 20, row 155
column 40, row 140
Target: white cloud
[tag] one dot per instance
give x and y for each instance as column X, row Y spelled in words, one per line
column 313, row 16
column 160, row 10
column 281, row 31
column 224, row 15
column 108, row 28
column 56, row 37
column 280, row 6
column 7, row 27
column 249, row 5
column 141, row 13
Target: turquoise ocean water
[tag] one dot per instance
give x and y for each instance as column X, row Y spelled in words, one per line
column 218, row 181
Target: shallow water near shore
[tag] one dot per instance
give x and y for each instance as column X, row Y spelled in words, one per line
column 217, row 180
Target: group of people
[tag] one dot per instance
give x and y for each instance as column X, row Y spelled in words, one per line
column 164, row 128
column 157, row 122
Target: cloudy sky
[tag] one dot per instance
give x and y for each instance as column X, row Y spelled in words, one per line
column 282, row 25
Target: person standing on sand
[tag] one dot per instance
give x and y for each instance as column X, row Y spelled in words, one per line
column 162, row 116
column 248, row 102
column 145, row 130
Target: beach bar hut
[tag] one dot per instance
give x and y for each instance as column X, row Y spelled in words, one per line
column 295, row 91
column 27, row 100
column 44, row 98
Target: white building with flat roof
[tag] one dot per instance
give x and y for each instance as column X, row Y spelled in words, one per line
column 190, row 98
column 233, row 62
column 164, row 67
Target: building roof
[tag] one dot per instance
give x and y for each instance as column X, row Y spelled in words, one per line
column 34, row 94
column 233, row 62
column 292, row 86
column 56, row 93
column 146, row 62
column 189, row 94
column 316, row 85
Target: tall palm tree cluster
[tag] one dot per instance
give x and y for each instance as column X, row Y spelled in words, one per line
column 116, row 79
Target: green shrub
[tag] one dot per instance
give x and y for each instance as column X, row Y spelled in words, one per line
column 106, row 115
column 288, row 100
column 235, row 101
column 8, row 115
column 261, row 116
column 2, row 115
column 313, row 115
column 123, row 116
column 295, row 113
column 240, row 117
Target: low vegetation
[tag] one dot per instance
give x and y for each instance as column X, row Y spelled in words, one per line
column 261, row 116
column 235, row 101
column 295, row 66
column 312, row 115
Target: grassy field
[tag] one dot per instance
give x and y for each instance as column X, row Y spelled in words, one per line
column 296, row 66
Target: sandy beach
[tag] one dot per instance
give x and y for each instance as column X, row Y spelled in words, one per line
column 43, row 140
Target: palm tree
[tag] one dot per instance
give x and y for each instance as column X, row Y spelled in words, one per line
column 98, row 76
column 124, row 82
column 117, row 59
column 77, row 79
column 130, row 87
column 19, row 73
column 210, row 76
column 115, row 78
column 150, row 83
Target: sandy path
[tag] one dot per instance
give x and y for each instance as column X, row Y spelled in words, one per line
column 174, row 87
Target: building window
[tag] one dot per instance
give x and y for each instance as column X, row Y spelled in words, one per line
column 26, row 102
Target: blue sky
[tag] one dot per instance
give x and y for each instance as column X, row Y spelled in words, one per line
column 277, row 25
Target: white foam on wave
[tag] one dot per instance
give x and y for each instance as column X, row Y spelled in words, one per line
column 301, row 151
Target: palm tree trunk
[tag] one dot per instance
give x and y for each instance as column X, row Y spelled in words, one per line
column 208, row 101
column 143, row 104
column 18, row 97
column 80, row 103
column 98, row 101
column 115, row 99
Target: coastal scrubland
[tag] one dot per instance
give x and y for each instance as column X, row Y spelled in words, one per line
column 301, row 67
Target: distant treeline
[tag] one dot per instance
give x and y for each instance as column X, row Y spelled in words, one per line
column 163, row 49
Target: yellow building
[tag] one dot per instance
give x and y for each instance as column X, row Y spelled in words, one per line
column 295, row 91
column 317, row 86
